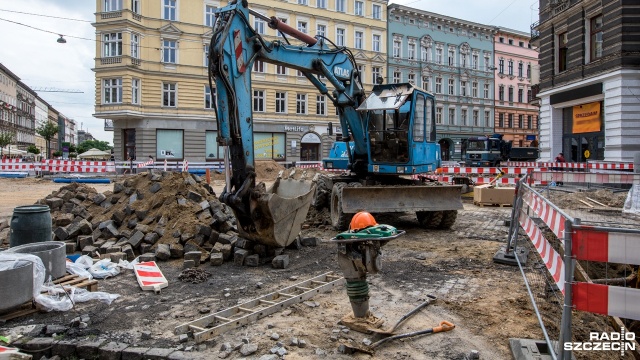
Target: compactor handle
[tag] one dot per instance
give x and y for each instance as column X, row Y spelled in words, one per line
column 444, row 326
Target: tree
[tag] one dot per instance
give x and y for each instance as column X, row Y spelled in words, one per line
column 33, row 149
column 6, row 138
column 47, row 130
column 90, row 144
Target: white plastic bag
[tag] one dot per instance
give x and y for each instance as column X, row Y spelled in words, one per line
column 78, row 269
column 56, row 299
column 104, row 269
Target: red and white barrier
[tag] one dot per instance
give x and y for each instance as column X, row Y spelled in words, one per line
column 150, row 162
column 606, row 246
column 553, row 218
column 484, row 170
column 593, row 178
column 77, row 166
column 149, row 276
column 8, row 165
column 552, row 260
column 185, row 166
column 591, row 165
column 607, row 300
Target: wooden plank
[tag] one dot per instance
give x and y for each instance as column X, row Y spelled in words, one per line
column 586, row 203
column 597, row 202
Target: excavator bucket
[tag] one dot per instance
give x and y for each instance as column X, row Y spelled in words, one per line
column 386, row 199
column 278, row 213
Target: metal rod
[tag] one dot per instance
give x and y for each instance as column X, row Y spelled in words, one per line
column 564, row 214
column 227, row 175
column 535, row 308
column 565, row 324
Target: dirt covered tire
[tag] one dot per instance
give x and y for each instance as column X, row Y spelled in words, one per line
column 448, row 219
column 321, row 198
column 339, row 220
column 429, row 219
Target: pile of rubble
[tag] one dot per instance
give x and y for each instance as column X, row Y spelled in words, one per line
column 157, row 215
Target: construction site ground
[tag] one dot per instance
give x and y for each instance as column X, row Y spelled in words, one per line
column 487, row 302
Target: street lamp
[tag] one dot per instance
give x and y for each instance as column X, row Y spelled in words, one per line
column 61, row 40
column 492, row 68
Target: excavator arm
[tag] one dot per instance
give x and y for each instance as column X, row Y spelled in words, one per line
column 235, row 47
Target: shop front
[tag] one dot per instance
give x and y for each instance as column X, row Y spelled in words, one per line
column 583, row 134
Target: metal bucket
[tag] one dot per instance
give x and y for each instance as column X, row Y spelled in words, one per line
column 30, row 224
column 16, row 286
column 52, row 253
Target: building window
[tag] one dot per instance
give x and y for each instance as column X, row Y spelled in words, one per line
column 169, row 92
column 520, row 120
column 321, row 4
column 510, row 67
column 501, row 66
column 529, row 123
column 321, row 105
column 501, row 120
column 487, row 118
column 438, row 56
column 135, row 45
column 476, row 120
column 169, row 10
column 258, row 66
column 510, row 41
column 112, row 44
column 487, row 63
column 452, row 55
column 358, row 39
column 376, row 43
column 510, row 94
column 375, row 71
column 206, row 55
column 113, row 91
column 439, row 116
column 301, row 103
column 396, row 77
column 563, row 51
column 596, row 37
column 424, row 53
column 474, row 61
column 474, row 89
column 321, row 30
column 411, row 78
column 426, row 84
column 209, row 15
column 212, row 149
column 135, row 6
column 528, row 71
column 169, row 51
column 486, row 91
column 520, row 69
column 521, row 43
column 281, row 70
column 302, row 26
column 359, row 8
column 463, row 88
column 463, row 60
column 112, row 5
column 396, row 48
column 302, row 2
column 529, row 96
column 135, row 91
column 501, row 93
column 169, row 144
column 452, row 116
column 258, row 24
column 520, row 95
column 258, row 100
column 377, row 12
column 209, row 97
column 412, row 51
column 463, row 117
column 451, row 87
column 269, row 145
column 340, row 6
column 501, row 39
column 281, row 102
column 438, row 85
column 340, row 37
column 284, row 21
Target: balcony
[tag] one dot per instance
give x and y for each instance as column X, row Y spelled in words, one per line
column 111, row 60
column 111, row 15
column 535, row 34
column 108, row 125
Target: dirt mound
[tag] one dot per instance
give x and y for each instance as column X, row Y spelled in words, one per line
column 267, row 170
column 607, row 197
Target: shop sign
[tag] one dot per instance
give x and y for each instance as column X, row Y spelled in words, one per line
column 293, row 128
column 586, row 118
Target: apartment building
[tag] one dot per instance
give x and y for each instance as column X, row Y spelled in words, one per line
column 453, row 58
column 151, row 76
column 515, row 60
column 25, row 116
column 8, row 99
column 41, row 117
column 589, row 79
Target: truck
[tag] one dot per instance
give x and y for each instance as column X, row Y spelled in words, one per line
column 392, row 131
column 492, row 150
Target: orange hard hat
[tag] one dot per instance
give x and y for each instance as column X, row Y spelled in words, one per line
column 362, row 220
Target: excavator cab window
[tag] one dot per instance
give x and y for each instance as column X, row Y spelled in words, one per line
column 389, row 134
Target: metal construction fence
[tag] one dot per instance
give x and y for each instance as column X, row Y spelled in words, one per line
column 569, row 246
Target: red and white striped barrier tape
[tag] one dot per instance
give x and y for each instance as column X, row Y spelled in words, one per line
column 77, row 166
column 141, row 165
column 16, row 166
column 542, row 208
column 185, row 166
column 607, row 300
column 552, row 260
column 11, row 161
column 484, row 170
column 606, row 246
column 592, row 165
column 569, row 177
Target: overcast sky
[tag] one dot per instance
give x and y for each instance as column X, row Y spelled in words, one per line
column 40, row 61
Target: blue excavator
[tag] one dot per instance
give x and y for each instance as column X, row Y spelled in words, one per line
column 391, row 132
